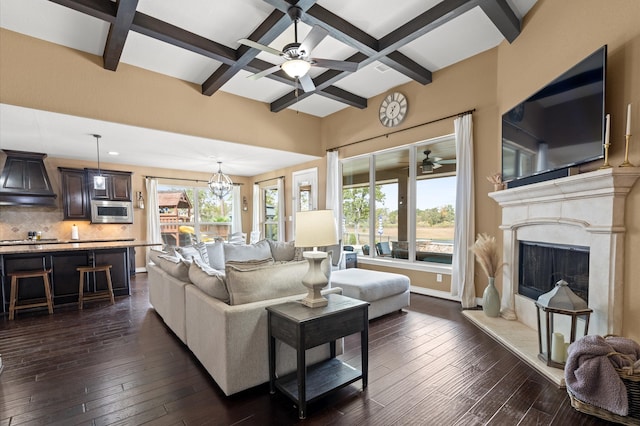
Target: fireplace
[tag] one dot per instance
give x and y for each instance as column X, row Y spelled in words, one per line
column 580, row 212
column 542, row 265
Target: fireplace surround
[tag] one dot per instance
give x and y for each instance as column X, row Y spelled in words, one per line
column 584, row 210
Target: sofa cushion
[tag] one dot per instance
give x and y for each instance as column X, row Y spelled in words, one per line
column 249, row 264
column 259, row 250
column 175, row 266
column 281, row 251
column 215, row 253
column 209, row 280
column 154, row 253
column 265, row 282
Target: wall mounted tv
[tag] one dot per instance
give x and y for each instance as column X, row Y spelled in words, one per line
column 560, row 126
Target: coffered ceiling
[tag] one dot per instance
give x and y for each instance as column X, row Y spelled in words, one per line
column 198, row 41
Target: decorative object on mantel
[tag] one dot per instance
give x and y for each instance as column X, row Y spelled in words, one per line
column 606, row 145
column 557, row 305
column 627, row 137
column 219, row 183
column 496, row 180
column 315, row 228
column 486, row 252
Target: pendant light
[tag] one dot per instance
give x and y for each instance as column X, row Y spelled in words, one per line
column 99, row 181
column 219, row 183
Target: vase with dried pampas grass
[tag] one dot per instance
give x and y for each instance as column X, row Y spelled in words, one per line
column 486, row 252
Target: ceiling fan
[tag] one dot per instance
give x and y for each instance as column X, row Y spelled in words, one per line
column 430, row 164
column 297, row 60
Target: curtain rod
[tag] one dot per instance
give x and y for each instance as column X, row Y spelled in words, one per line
column 460, row 114
column 184, row 179
column 267, row 180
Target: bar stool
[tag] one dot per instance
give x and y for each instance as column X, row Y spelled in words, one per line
column 100, row 295
column 31, row 303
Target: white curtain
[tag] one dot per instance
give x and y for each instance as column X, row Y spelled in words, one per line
column 281, row 211
column 236, row 221
column 464, row 232
column 333, row 189
column 255, row 223
column 153, row 214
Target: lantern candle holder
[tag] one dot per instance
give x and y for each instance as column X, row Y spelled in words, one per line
column 559, row 313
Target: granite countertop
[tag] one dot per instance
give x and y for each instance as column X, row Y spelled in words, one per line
column 78, row 245
column 4, row 243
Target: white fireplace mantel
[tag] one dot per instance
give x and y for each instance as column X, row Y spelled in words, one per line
column 583, row 210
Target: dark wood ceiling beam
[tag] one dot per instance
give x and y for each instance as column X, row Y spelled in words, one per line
column 433, row 18
column 502, row 17
column 351, row 35
column 163, row 31
column 101, row 9
column 340, row 95
column 275, row 24
column 118, row 31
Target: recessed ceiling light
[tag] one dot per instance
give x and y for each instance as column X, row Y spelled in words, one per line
column 113, row 153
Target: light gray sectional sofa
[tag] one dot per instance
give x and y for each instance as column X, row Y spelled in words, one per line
column 221, row 317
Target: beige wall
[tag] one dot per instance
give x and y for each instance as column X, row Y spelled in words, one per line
column 555, row 36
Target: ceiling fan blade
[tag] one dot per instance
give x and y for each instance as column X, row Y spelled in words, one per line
column 307, row 83
column 264, row 72
column 335, row 65
column 447, row 161
column 259, row 46
column 315, row 36
column 437, row 165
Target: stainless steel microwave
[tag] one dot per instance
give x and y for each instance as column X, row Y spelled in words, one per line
column 103, row 211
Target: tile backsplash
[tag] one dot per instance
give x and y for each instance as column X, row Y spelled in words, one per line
column 17, row 221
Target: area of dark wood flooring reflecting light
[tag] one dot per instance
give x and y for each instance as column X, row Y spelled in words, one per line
column 119, row 364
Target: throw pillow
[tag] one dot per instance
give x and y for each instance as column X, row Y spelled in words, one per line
column 259, row 250
column 215, row 254
column 209, row 280
column 202, row 249
column 265, row 282
column 175, row 266
column 189, row 252
column 281, row 251
column 249, row 264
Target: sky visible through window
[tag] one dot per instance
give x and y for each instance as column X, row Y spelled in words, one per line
column 442, row 192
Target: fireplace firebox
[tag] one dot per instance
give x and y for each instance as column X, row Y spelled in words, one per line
column 542, row 265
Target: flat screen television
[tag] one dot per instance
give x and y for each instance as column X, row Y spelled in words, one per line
column 559, row 127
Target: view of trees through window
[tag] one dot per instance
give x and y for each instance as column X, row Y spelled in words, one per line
column 270, row 213
column 193, row 214
column 430, row 236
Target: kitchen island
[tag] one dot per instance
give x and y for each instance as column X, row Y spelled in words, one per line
column 63, row 258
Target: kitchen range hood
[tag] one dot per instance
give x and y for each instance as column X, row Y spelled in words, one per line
column 24, row 180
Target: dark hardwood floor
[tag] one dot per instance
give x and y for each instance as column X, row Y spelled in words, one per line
column 120, row 365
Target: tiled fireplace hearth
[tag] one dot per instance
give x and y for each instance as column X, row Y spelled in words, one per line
column 585, row 210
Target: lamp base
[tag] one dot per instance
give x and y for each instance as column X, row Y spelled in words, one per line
column 314, row 280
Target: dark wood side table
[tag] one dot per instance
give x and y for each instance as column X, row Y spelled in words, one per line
column 303, row 328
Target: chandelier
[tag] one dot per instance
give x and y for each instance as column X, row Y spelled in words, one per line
column 219, row 183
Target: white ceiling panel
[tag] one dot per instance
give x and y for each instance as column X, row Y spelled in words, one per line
column 54, row 23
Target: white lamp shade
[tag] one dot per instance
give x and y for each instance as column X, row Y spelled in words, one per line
column 296, row 67
column 315, row 228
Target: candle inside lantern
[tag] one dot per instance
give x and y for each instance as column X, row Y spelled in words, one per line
column 628, row 120
column 557, row 348
column 606, row 130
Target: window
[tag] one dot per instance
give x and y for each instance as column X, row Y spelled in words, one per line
column 414, row 200
column 193, row 214
column 270, row 212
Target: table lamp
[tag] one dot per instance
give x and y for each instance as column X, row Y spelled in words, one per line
column 315, row 228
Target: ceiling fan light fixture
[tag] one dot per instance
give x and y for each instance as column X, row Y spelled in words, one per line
column 296, row 68
column 219, row 183
column 426, row 168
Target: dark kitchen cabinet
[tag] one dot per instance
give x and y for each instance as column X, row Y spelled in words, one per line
column 66, row 279
column 75, row 198
column 117, row 185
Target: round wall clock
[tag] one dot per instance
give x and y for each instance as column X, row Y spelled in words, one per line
column 393, row 109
